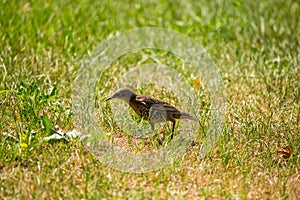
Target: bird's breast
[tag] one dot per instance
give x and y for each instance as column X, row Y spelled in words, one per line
column 140, row 109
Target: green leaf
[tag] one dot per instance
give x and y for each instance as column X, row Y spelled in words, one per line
column 47, row 124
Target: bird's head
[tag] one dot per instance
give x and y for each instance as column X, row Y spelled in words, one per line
column 123, row 94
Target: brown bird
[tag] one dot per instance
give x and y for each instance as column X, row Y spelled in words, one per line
column 151, row 109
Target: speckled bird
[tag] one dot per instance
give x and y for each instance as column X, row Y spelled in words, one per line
column 151, row 109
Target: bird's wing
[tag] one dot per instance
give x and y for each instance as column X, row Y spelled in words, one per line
column 170, row 109
column 147, row 101
column 166, row 107
column 161, row 107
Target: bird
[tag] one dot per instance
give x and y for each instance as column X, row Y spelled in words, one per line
column 150, row 109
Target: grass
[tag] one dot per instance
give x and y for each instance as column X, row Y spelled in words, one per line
column 254, row 44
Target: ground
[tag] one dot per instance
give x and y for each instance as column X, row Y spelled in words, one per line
column 255, row 47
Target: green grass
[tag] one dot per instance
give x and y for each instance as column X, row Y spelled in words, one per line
column 255, row 45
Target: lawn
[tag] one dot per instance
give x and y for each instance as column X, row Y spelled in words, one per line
column 255, row 47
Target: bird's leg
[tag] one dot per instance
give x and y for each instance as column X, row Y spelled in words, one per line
column 152, row 126
column 173, row 128
column 153, row 134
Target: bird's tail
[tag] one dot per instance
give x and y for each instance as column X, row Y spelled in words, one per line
column 185, row 115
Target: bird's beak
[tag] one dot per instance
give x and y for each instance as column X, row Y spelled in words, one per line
column 109, row 98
